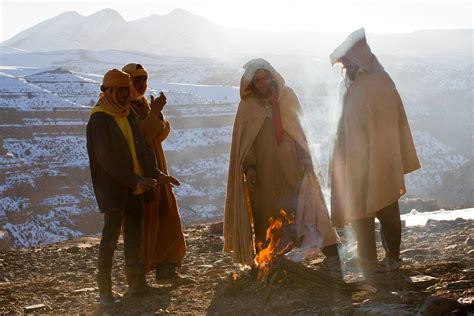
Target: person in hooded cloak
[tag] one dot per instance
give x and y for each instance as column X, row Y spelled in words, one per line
column 271, row 168
column 372, row 150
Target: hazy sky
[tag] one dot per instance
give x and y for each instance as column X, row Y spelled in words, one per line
column 382, row 16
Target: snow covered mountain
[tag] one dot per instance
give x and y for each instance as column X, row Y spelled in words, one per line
column 45, row 98
column 102, row 30
column 181, row 33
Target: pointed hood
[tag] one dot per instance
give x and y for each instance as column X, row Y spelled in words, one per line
column 356, row 49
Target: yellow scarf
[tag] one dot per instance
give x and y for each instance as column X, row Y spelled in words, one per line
column 124, row 125
column 108, row 103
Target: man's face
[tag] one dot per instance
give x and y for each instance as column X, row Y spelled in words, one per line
column 121, row 94
column 349, row 68
column 262, row 81
column 140, row 84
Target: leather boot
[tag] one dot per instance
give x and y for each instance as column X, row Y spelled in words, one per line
column 137, row 285
column 104, row 277
column 104, row 282
column 165, row 271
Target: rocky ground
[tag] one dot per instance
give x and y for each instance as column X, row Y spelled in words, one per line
column 437, row 275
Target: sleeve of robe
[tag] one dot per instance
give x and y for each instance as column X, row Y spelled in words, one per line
column 303, row 157
column 151, row 162
column 155, row 126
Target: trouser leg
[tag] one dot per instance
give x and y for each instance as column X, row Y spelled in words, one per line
column 390, row 230
column 365, row 234
column 133, row 230
column 108, row 244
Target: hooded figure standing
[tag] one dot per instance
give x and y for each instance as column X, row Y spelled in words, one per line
column 271, row 168
column 372, row 151
column 163, row 246
column 123, row 169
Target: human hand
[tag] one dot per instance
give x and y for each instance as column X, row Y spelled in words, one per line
column 146, row 183
column 250, row 177
column 165, row 179
column 158, row 103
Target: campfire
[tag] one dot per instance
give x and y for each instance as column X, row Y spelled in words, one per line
column 273, row 266
column 280, row 242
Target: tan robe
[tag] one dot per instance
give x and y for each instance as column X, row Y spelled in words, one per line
column 163, row 236
column 279, row 174
column 252, row 129
column 373, row 146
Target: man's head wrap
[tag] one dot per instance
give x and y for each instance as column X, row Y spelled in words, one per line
column 134, row 70
column 115, row 78
column 108, row 103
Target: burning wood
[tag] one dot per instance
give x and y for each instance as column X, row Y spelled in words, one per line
column 279, row 243
column 273, row 266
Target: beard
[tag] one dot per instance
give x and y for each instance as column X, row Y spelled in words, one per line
column 266, row 94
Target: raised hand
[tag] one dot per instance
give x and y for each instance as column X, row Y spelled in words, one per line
column 159, row 103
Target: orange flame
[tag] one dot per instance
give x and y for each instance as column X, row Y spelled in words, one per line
column 234, row 276
column 265, row 256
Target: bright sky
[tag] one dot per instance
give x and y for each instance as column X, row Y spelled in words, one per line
column 377, row 16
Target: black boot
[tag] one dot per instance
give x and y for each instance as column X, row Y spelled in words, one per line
column 165, row 271
column 137, row 285
column 332, row 265
column 104, row 276
column 104, row 282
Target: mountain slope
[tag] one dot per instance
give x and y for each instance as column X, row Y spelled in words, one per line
column 181, row 33
column 102, row 30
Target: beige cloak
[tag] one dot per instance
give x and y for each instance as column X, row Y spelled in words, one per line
column 313, row 223
column 373, row 147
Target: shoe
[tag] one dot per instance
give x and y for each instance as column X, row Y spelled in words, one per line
column 388, row 264
column 104, row 282
column 165, row 271
column 137, row 286
column 141, row 290
column 107, row 300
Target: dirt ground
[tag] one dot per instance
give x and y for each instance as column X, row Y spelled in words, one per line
column 59, row 278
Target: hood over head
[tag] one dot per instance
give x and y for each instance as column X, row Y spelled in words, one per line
column 250, row 68
column 356, row 49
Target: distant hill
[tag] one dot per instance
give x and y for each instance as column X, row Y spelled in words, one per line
column 181, row 33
